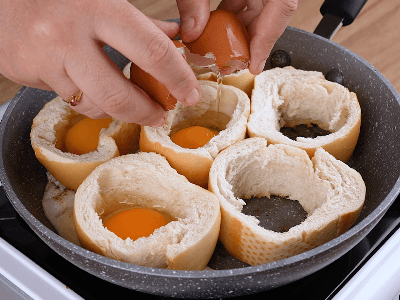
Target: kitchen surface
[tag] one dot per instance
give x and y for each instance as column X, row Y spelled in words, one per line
column 32, row 270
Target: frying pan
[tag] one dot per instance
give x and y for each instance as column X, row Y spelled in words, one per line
column 376, row 157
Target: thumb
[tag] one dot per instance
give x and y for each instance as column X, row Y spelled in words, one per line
column 194, row 16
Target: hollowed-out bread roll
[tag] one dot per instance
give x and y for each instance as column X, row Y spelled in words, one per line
column 228, row 114
column 147, row 180
column 242, row 79
column 47, row 138
column 329, row 191
column 289, row 97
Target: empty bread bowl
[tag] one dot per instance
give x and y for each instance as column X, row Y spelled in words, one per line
column 328, row 190
column 287, row 97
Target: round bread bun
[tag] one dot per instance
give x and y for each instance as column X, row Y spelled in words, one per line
column 289, row 97
column 147, row 180
column 228, row 113
column 47, row 138
column 329, row 191
column 242, row 79
column 58, row 207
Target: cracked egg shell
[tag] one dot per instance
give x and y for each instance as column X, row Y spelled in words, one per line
column 225, row 37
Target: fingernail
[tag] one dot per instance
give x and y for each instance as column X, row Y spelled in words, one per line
column 193, row 97
column 187, row 25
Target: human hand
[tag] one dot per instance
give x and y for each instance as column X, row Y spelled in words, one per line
column 56, row 45
column 265, row 20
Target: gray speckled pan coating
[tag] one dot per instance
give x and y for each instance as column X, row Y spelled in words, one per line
column 377, row 158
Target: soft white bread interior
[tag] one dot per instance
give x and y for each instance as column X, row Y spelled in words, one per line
column 329, row 191
column 147, row 180
column 242, row 79
column 58, row 207
column 227, row 113
column 47, row 138
column 289, row 97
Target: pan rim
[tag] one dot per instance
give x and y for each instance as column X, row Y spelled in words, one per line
column 377, row 213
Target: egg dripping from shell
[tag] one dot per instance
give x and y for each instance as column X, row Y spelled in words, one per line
column 135, row 223
column 83, row 137
column 193, row 137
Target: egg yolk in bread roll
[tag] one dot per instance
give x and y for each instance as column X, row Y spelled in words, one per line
column 193, row 137
column 135, row 223
column 83, row 137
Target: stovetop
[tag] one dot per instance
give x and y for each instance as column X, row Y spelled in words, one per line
column 323, row 284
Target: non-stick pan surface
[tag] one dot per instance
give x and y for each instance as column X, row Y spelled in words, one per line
column 376, row 157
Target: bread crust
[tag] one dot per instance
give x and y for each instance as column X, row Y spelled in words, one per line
column 58, row 203
column 288, row 97
column 147, row 180
column 47, row 137
column 243, row 80
column 195, row 164
column 332, row 193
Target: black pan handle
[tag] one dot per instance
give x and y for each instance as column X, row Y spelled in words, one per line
column 337, row 13
column 346, row 9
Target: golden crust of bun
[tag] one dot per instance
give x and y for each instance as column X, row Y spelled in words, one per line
column 58, row 207
column 329, row 191
column 229, row 115
column 147, row 180
column 289, row 97
column 47, row 137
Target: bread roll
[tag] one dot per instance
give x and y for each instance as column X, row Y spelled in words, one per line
column 329, row 191
column 242, row 79
column 147, row 180
column 229, row 113
column 58, row 207
column 47, row 138
column 289, row 97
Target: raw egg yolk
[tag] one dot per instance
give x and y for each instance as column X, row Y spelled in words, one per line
column 193, row 137
column 135, row 223
column 83, row 137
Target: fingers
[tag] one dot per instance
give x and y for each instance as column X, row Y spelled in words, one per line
column 106, row 90
column 62, row 84
column 194, row 16
column 235, row 6
column 134, row 35
column 171, row 29
column 265, row 20
column 266, row 28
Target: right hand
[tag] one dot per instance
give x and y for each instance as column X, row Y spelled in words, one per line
column 56, row 45
column 265, row 20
